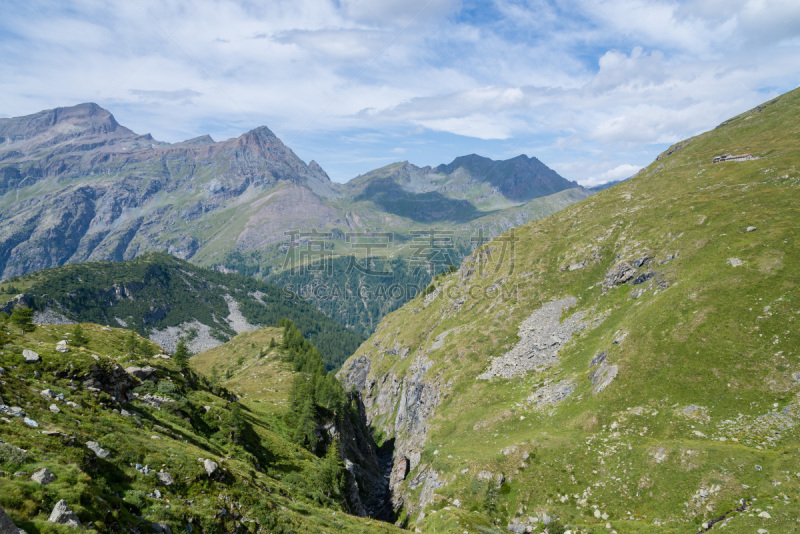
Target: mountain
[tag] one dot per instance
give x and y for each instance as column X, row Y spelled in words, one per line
column 628, row 364
column 76, row 186
column 164, row 298
column 102, row 437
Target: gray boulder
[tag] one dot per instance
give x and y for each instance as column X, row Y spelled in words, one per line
column 165, row 478
column 63, row 515
column 210, row 467
column 142, row 373
column 30, row 356
column 97, row 449
column 43, row 476
column 62, row 346
column 7, row 526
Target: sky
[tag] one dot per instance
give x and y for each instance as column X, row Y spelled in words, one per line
column 595, row 89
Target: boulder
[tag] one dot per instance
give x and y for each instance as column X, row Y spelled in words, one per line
column 43, row 476
column 7, row 525
column 210, row 466
column 53, row 408
column 30, row 422
column 164, row 478
column 142, row 373
column 30, row 356
column 62, row 346
column 63, row 515
column 97, row 449
column 734, row 262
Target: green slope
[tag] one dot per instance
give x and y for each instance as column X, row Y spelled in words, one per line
column 167, row 422
column 163, row 297
column 695, row 406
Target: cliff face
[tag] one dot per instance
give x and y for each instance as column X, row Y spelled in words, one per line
column 631, row 360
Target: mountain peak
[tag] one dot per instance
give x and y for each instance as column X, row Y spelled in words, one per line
column 60, row 124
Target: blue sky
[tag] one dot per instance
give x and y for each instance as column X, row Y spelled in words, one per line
column 593, row 88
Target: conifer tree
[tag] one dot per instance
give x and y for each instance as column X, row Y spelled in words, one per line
column 181, row 356
column 331, row 472
column 22, row 318
column 79, row 337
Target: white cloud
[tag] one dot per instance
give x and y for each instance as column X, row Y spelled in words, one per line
column 567, row 77
column 620, row 172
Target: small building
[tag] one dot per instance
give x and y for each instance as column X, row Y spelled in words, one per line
column 731, row 157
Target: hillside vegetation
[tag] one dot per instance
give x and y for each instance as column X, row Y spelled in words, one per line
column 629, row 364
column 155, row 446
column 165, row 298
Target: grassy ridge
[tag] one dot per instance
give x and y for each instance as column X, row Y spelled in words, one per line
column 704, row 410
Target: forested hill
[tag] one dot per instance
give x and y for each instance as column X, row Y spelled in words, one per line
column 165, row 298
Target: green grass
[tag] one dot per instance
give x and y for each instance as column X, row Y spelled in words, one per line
column 266, row 479
column 716, row 336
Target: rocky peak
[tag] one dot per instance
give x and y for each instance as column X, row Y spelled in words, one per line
column 199, row 141
column 63, row 123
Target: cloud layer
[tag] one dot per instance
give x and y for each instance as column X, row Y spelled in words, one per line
column 593, row 88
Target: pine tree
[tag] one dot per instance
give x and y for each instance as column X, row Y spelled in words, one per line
column 22, row 318
column 79, row 337
column 181, row 356
column 131, row 346
column 331, row 472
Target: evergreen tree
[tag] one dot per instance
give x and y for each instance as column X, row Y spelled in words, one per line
column 330, row 476
column 79, row 337
column 131, row 345
column 306, row 430
column 146, row 349
column 181, row 356
column 22, row 318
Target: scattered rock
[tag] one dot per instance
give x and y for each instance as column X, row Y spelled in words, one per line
column 62, row 346
column 552, row 394
column 30, row 356
column 600, row 358
column 7, row 526
column 97, row 449
column 734, row 262
column 30, row 422
column 53, row 408
column 541, row 335
column 165, row 478
column 43, row 476
column 163, row 528
column 751, row 228
column 210, row 467
column 142, row 373
column 63, row 515
column 765, row 515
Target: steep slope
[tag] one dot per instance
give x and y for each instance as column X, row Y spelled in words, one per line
column 629, row 363
column 165, row 298
column 255, row 368
column 148, row 448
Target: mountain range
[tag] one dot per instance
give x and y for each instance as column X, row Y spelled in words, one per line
column 77, row 186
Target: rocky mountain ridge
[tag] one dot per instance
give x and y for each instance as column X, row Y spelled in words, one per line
column 76, row 186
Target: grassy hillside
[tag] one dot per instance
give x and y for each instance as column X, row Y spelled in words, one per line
column 168, row 422
column 666, row 395
column 163, row 298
